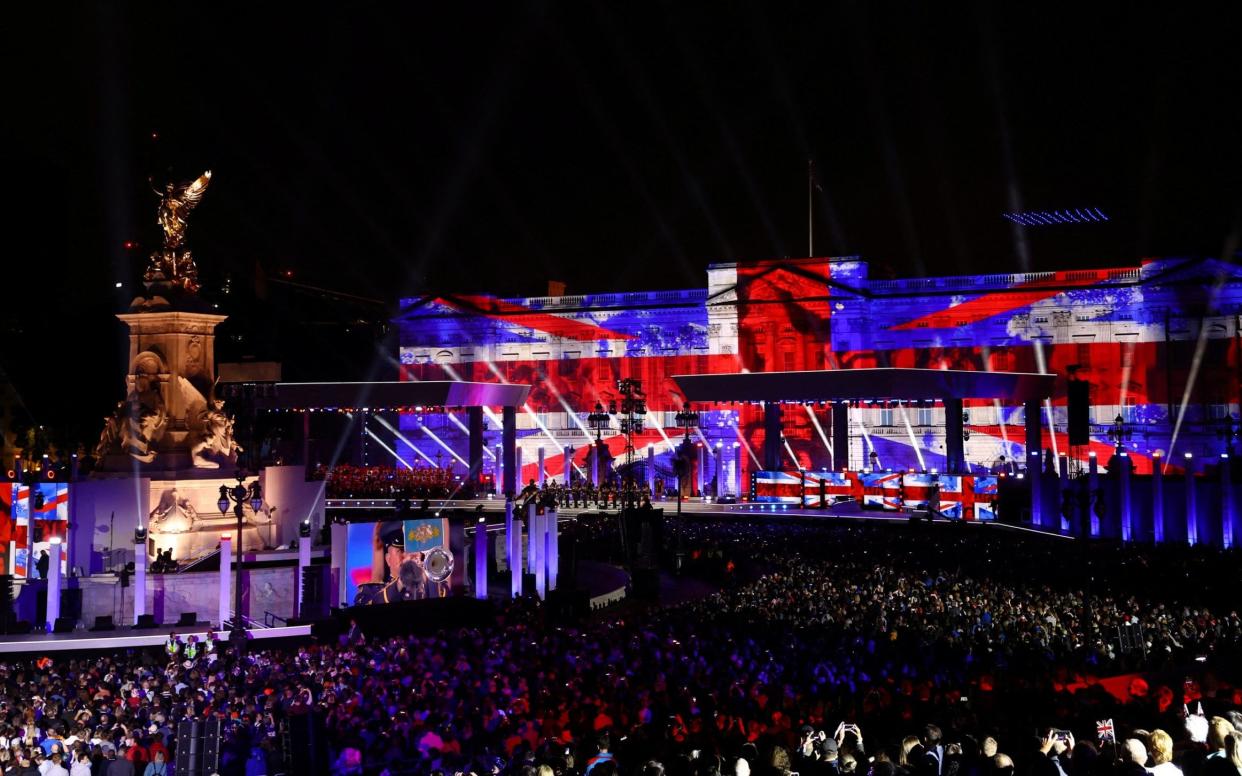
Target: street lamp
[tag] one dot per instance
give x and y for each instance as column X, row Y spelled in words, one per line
column 599, row 421
column 238, row 495
column 1119, row 433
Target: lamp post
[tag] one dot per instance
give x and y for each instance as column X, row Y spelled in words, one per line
column 238, row 495
column 599, row 420
column 1119, row 433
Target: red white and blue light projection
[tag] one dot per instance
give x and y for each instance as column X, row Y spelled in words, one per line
column 1160, row 344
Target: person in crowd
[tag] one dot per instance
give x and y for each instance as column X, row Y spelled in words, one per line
column 158, row 765
column 1160, row 745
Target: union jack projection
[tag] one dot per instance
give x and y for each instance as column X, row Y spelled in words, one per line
column 1132, row 332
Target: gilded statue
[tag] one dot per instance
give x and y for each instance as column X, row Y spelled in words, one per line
column 173, row 264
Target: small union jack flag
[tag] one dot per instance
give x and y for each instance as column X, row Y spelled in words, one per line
column 1104, row 728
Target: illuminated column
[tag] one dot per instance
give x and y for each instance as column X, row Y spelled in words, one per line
column 474, row 427
column 340, row 546
column 499, row 481
column 1227, row 508
column 508, row 440
column 771, row 436
column 737, row 469
column 1157, row 497
column 720, row 472
column 1093, row 493
column 517, row 470
column 480, row 559
column 534, row 550
column 702, row 468
column 53, row 582
column 954, row 445
column 651, row 468
column 552, row 547
column 568, row 469
column 304, row 562
column 226, row 576
column 1123, row 499
column 140, row 574
column 513, row 549
column 590, row 462
column 840, row 438
column 539, row 474
column 1063, row 470
column 1192, row 518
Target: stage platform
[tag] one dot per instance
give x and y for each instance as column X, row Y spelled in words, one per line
column 849, row 511
column 126, row 638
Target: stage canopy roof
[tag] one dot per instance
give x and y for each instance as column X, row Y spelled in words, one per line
column 862, row 384
column 393, row 395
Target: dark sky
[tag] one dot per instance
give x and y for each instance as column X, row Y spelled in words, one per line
column 380, row 149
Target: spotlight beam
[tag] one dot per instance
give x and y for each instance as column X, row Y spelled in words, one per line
column 391, row 452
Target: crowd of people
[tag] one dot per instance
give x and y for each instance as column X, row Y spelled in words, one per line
column 825, row 650
column 350, row 481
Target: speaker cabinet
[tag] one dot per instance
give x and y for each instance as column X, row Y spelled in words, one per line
column 1079, row 412
column 104, row 623
column 315, row 599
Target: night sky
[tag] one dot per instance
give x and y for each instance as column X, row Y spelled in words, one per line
column 384, row 149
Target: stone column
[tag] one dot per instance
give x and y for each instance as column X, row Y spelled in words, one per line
column 53, row 582
column 568, row 469
column 517, row 470
column 508, row 437
column 539, row 474
column 480, row 559
column 226, row 578
column 590, row 461
column 772, row 436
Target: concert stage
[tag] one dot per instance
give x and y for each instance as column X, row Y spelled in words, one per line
column 127, row 638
